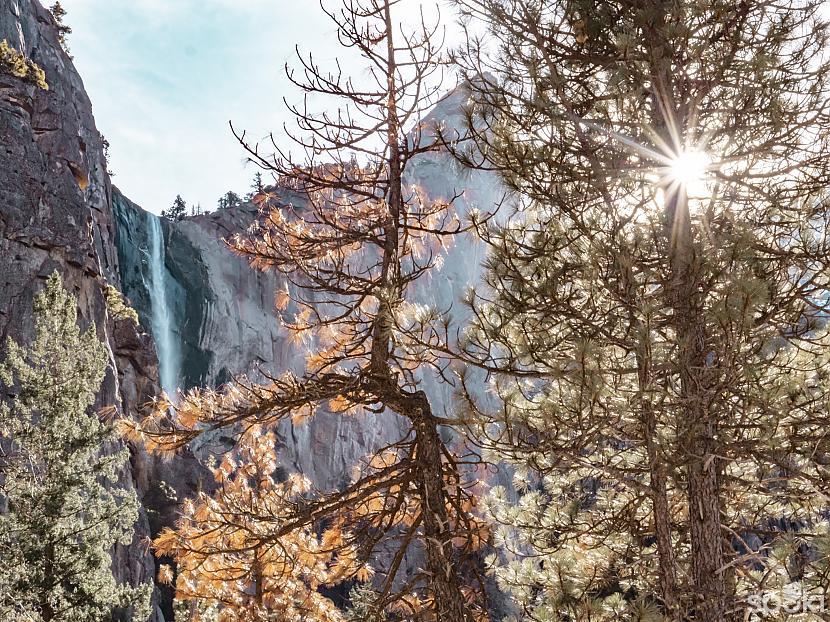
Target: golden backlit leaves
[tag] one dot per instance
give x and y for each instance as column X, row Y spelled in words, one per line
column 226, row 555
column 165, row 574
column 227, row 543
column 282, row 299
column 258, row 546
column 408, row 604
column 170, row 426
column 340, row 404
column 364, row 573
column 335, row 241
column 302, row 415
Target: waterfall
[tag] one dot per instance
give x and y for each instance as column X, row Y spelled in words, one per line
column 162, row 320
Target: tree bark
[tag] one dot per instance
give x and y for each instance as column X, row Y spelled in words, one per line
column 698, row 424
column 390, row 270
column 450, row 605
column 47, row 612
column 657, row 467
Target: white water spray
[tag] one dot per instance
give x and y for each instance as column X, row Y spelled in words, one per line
column 162, row 320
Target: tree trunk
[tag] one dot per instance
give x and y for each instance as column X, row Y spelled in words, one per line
column 698, row 424
column 450, row 605
column 390, row 271
column 661, row 516
column 47, row 612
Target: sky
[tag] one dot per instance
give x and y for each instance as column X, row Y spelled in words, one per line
column 166, row 76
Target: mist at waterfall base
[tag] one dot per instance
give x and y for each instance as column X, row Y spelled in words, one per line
column 161, row 317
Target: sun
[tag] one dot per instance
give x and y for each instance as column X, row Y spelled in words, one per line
column 688, row 169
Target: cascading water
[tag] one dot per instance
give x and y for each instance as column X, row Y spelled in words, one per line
column 161, row 319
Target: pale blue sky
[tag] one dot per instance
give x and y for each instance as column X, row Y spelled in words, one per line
column 165, row 76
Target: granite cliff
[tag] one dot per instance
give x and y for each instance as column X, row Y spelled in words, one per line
column 56, row 214
column 224, row 321
column 223, row 316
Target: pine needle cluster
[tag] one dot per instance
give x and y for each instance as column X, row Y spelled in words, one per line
column 59, row 468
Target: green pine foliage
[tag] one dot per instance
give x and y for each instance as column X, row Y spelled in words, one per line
column 118, row 306
column 177, row 211
column 63, row 510
column 362, row 605
column 663, row 374
column 257, row 187
column 59, row 13
column 228, row 200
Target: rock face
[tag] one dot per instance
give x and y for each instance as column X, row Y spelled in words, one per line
column 226, row 325
column 53, row 183
column 225, row 317
column 56, row 214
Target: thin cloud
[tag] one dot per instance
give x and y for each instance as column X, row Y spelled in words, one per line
column 166, row 76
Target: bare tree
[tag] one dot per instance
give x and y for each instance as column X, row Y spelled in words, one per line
column 351, row 248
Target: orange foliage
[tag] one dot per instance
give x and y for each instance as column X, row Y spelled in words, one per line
column 227, row 557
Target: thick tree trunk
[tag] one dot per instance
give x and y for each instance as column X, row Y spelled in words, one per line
column 450, row 605
column 698, row 424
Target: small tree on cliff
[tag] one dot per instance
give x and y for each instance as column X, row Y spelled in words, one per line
column 63, row 510
column 59, row 13
column 177, row 211
column 651, row 316
column 257, row 187
column 351, row 253
column 229, row 199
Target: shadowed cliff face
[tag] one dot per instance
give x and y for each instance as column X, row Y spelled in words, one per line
column 55, row 214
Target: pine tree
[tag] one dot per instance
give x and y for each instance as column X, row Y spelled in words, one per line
column 63, row 510
column 177, row 211
column 256, row 187
column 59, row 13
column 351, row 252
column 228, row 200
column 653, row 316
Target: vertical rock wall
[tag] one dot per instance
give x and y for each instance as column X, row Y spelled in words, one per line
column 55, row 214
column 226, row 321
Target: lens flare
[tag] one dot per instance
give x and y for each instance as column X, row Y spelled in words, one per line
column 689, row 169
